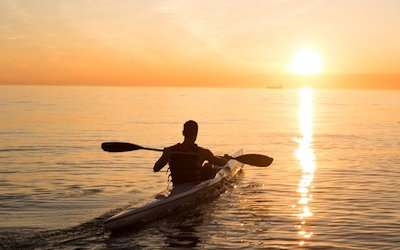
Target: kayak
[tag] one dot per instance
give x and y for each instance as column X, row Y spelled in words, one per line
column 179, row 198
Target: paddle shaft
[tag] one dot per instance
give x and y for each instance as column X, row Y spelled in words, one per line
column 153, row 149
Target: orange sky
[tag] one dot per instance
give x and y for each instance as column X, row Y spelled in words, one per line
column 199, row 43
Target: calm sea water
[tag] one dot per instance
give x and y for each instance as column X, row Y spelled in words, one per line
column 334, row 182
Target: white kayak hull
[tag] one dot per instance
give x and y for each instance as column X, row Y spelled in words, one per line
column 180, row 197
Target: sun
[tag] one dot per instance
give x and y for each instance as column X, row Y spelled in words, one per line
column 306, row 62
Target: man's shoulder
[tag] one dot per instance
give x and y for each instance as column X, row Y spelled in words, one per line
column 171, row 148
column 204, row 151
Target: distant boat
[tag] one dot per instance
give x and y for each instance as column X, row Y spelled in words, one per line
column 274, row 87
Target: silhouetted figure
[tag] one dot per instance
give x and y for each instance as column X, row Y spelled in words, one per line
column 186, row 159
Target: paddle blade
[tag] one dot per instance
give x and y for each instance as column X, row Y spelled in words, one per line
column 119, row 146
column 255, row 160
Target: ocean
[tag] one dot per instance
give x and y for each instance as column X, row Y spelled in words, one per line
column 333, row 184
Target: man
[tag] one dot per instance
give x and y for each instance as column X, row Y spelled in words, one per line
column 186, row 159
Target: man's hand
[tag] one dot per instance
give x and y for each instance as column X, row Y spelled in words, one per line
column 226, row 157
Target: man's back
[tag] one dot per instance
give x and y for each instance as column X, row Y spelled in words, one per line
column 184, row 167
column 184, row 163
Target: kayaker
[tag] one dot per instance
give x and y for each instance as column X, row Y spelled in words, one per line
column 186, row 159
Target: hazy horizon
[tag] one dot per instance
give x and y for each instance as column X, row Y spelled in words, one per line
column 372, row 82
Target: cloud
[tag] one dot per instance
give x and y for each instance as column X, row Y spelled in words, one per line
column 240, row 31
column 12, row 19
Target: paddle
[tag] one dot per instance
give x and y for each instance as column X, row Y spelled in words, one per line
column 249, row 159
column 254, row 160
column 123, row 147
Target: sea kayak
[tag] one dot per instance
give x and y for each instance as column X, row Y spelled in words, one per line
column 180, row 197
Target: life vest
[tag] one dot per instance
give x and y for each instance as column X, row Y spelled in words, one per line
column 183, row 164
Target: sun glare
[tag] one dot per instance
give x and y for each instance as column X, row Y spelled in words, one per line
column 306, row 62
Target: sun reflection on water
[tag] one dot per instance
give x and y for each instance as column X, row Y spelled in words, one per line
column 306, row 157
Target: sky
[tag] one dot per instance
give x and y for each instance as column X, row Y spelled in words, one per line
column 199, row 43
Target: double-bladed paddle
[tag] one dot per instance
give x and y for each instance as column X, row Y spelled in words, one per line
column 257, row 160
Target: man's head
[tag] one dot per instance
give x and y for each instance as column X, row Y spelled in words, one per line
column 190, row 129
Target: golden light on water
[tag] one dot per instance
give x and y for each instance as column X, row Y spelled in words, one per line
column 306, row 157
column 306, row 62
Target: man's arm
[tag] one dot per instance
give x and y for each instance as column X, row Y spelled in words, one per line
column 219, row 161
column 162, row 161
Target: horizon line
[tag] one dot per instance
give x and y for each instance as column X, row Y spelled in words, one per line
column 196, row 86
